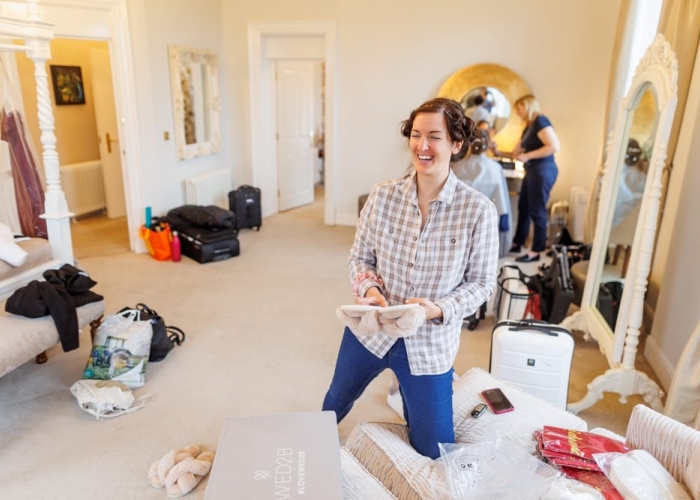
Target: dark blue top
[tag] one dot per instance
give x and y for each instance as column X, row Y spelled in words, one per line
column 530, row 142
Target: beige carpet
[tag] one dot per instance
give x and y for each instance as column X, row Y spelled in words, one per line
column 262, row 338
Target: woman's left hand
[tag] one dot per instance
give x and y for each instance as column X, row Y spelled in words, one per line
column 432, row 310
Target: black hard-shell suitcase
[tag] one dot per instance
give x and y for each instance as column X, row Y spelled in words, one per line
column 245, row 203
column 207, row 245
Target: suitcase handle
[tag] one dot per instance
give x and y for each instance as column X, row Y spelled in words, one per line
column 541, row 329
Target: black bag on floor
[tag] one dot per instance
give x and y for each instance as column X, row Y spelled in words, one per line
column 553, row 284
column 472, row 320
column 245, row 203
column 164, row 337
column 207, row 245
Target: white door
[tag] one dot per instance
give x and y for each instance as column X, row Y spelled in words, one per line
column 106, row 118
column 296, row 156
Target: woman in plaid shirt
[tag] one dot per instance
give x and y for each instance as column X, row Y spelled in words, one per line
column 430, row 239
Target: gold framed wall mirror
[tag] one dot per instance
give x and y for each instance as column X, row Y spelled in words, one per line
column 196, row 101
column 506, row 87
column 627, row 215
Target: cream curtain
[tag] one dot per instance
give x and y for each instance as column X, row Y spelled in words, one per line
column 680, row 24
column 619, row 66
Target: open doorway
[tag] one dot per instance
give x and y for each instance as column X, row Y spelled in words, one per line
column 300, row 138
column 289, row 40
column 87, row 143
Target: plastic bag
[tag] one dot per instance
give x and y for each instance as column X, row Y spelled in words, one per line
column 495, row 469
column 107, row 398
column 120, row 350
column 637, row 475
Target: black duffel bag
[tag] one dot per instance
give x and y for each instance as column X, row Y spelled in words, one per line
column 165, row 337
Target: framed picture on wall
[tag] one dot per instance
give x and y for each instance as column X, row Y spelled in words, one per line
column 68, row 85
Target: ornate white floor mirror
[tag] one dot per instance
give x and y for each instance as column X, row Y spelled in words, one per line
column 631, row 184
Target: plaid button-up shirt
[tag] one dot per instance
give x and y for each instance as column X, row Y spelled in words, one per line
column 453, row 262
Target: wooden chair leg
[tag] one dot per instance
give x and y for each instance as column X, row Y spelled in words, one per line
column 41, row 358
column 94, row 325
column 626, row 263
column 616, row 255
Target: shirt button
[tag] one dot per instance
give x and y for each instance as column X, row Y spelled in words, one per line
column 391, row 231
column 412, row 288
column 415, row 238
column 454, row 240
column 410, row 265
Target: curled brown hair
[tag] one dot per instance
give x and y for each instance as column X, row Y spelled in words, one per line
column 459, row 127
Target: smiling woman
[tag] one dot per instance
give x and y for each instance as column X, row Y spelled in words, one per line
column 404, row 255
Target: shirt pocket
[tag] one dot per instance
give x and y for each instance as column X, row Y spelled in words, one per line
column 388, row 240
column 453, row 252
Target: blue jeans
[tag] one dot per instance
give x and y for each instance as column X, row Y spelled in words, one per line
column 532, row 204
column 427, row 399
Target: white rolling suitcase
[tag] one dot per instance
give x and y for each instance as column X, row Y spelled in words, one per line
column 535, row 356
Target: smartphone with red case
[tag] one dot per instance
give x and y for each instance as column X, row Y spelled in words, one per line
column 497, row 401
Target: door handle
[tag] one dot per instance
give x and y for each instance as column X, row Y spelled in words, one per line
column 109, row 142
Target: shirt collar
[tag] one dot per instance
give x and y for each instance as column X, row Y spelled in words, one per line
column 446, row 195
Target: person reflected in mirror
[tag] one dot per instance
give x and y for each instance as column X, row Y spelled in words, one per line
column 486, row 176
column 425, row 238
column 536, row 149
column 632, row 182
column 479, row 111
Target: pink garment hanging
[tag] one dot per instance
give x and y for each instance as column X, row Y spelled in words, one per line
column 28, row 190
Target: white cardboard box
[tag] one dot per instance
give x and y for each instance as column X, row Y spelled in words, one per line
column 280, row 457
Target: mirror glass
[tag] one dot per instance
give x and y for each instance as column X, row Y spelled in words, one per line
column 637, row 144
column 500, row 86
column 495, row 104
column 196, row 103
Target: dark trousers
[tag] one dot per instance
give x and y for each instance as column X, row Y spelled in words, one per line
column 532, row 204
column 427, row 399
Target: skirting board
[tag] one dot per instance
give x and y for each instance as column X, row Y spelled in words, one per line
column 661, row 365
column 346, row 218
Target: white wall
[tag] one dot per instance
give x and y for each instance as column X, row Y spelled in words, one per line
column 678, row 308
column 186, row 23
column 390, row 58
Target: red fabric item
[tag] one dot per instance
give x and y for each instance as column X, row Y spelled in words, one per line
column 532, row 308
column 579, row 443
column 596, row 480
column 28, row 189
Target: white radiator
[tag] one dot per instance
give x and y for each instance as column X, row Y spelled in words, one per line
column 84, row 187
column 210, row 188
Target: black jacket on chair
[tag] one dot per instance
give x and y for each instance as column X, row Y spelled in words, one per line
column 64, row 290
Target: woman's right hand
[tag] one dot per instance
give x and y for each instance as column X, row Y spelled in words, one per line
column 373, row 297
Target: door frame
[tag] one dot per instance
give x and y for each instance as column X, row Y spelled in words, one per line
column 262, row 110
column 108, row 20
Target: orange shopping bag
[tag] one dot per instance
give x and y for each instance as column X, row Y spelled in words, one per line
column 157, row 239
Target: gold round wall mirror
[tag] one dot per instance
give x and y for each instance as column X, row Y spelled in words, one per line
column 505, row 86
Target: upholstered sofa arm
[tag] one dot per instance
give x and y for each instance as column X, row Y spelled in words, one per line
column 669, row 441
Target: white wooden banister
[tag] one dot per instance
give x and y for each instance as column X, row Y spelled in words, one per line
column 24, row 21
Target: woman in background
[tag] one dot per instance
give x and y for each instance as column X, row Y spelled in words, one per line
column 536, row 150
column 486, row 176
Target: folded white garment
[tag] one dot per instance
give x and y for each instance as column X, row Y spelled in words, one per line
column 399, row 321
column 10, row 251
column 637, row 475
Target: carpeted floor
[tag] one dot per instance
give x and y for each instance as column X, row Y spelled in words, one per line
column 262, row 338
